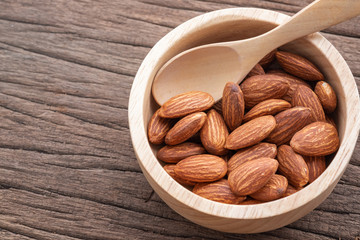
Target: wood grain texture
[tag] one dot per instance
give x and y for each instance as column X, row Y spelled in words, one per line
column 67, row 167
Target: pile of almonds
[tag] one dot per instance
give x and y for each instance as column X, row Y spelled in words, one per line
column 264, row 140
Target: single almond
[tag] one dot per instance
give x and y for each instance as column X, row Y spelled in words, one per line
column 251, row 153
column 214, row 133
column 256, row 70
column 288, row 122
column 186, row 103
column 273, row 189
column 158, row 127
column 185, row 128
column 299, row 66
column 169, row 168
column 316, row 165
column 293, row 82
column 267, row 107
column 292, row 166
column 173, row 154
column 268, row 59
column 252, row 176
column 233, row 105
column 201, row 168
column 326, row 95
column 218, row 191
column 262, row 87
column 316, row 139
column 304, row 96
column 251, row 133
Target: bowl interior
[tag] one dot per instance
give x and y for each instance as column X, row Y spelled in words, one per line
column 245, row 28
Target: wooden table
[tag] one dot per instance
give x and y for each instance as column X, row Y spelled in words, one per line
column 67, row 167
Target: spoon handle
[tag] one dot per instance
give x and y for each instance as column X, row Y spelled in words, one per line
column 317, row 16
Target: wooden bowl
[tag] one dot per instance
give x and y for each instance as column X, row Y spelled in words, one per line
column 225, row 25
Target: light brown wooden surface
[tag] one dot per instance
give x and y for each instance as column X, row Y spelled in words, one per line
column 67, row 167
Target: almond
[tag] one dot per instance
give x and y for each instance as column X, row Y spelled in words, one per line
column 186, row 103
column 291, row 190
column 304, row 96
column 251, row 153
column 262, row 87
column 173, row 154
column 316, row 165
column 267, row 107
column 316, row 139
column 288, row 122
column 298, row 66
column 293, row 82
column 268, row 59
column 256, row 70
column 326, row 95
column 158, row 128
column 201, row 168
column 185, row 128
column 273, row 189
column 233, row 105
column 218, row 191
column 214, row 133
column 169, row 168
column 292, row 166
column 252, row 175
column 251, row 133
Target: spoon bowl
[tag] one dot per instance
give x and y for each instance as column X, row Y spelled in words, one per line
column 217, row 61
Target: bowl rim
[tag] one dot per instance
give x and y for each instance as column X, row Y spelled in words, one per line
column 148, row 162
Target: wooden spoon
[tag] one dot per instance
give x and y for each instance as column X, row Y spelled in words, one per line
column 207, row 68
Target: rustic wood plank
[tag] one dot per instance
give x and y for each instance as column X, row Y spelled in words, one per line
column 67, row 168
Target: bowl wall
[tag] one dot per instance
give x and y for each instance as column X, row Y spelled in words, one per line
column 227, row 25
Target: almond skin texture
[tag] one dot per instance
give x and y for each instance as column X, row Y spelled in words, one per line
column 201, row 168
column 169, row 168
column 252, row 176
column 256, row 70
column 262, row 87
column 326, row 95
column 251, row 153
column 288, row 122
column 185, row 128
column 158, row 128
column 293, row 81
column 173, row 154
column 316, row 139
column 268, row 59
column 316, row 165
column 292, row 166
column 267, row 107
column 273, row 189
column 304, row 96
column 233, row 105
column 214, row 133
column 251, row 133
column 299, row 66
column 218, row 191
column 186, row 103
